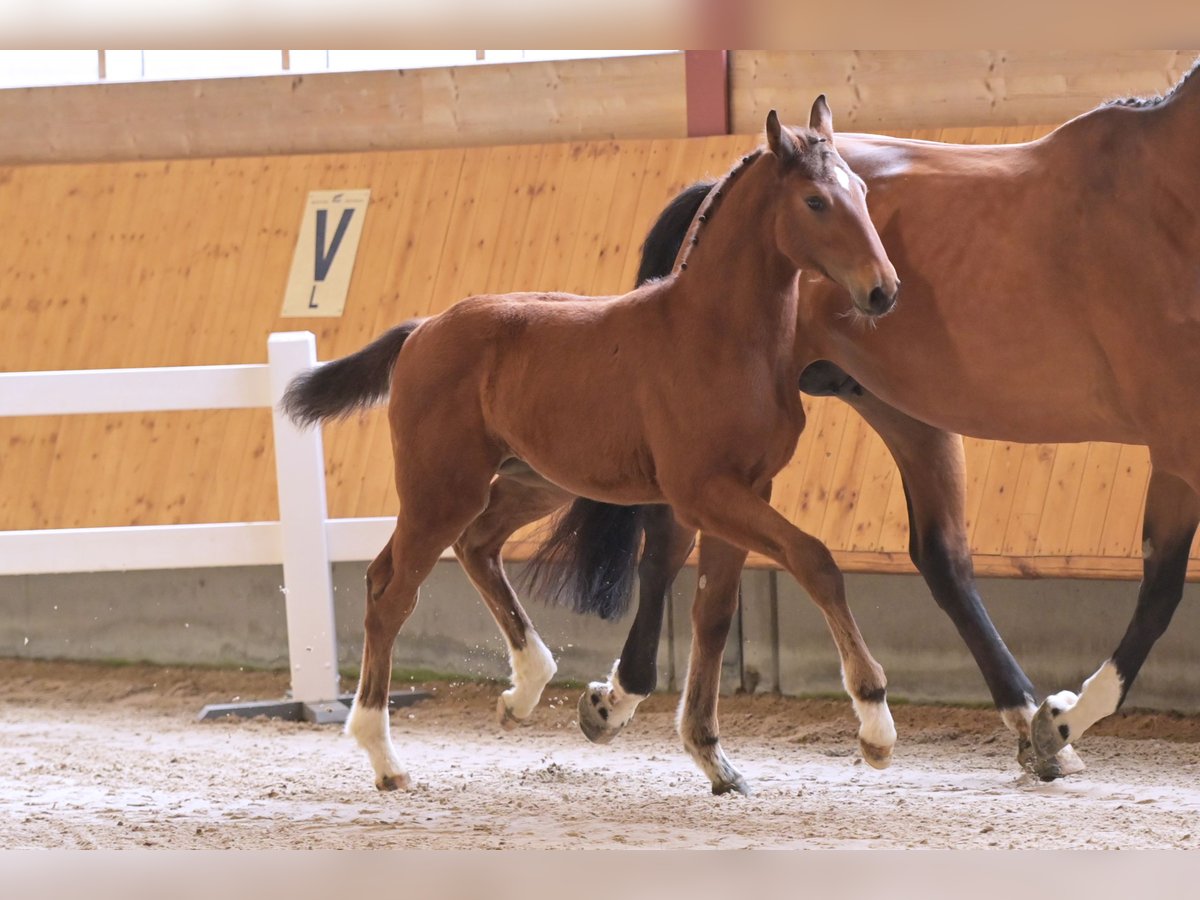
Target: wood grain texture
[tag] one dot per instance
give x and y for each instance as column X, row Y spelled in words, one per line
column 184, row 263
column 533, row 102
column 873, row 90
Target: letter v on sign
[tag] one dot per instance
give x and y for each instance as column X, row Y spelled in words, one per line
column 326, row 247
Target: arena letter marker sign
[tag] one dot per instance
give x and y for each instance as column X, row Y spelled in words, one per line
column 325, row 251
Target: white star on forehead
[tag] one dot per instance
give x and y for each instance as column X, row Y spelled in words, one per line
column 842, row 178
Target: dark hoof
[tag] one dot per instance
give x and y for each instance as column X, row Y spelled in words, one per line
column 1042, row 769
column 393, row 782
column 505, row 716
column 875, row 756
column 736, row 786
column 593, row 721
column 1065, row 762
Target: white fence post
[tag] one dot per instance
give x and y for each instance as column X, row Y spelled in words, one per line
column 308, row 583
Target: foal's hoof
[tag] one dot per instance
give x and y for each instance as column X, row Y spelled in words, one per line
column 397, row 782
column 596, row 719
column 734, row 785
column 505, row 716
column 875, row 756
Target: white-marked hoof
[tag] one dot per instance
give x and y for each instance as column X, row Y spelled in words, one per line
column 875, row 756
column 1069, row 762
column 596, row 715
column 505, row 716
column 397, row 782
column 1047, row 731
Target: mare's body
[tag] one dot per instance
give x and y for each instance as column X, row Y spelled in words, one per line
column 1052, row 294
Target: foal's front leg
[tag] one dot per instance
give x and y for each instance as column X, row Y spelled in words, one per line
column 712, row 612
column 729, row 509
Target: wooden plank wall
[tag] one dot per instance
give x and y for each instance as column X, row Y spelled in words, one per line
column 874, row 90
column 567, row 100
column 181, row 263
column 534, row 102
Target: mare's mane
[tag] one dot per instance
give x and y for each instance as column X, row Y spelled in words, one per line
column 1152, row 102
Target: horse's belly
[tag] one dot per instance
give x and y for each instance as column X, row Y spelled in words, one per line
column 1035, row 410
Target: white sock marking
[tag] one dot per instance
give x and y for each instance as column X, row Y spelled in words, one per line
column 370, row 728
column 1018, row 718
column 532, row 669
column 877, row 726
column 624, row 704
column 1100, row 697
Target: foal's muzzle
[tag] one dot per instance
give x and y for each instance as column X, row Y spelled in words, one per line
column 880, row 301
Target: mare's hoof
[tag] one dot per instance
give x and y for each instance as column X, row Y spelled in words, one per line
column 1065, row 762
column 1069, row 762
column 595, row 717
column 1047, row 731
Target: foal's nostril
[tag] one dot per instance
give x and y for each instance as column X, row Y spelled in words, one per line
column 880, row 301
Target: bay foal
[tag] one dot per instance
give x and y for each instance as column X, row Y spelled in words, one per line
column 681, row 391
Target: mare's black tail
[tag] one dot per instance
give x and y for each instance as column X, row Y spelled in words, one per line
column 589, row 560
column 345, row 385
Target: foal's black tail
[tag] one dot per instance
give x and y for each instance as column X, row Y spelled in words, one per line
column 352, row 383
column 589, row 560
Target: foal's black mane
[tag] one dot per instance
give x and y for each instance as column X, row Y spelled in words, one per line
column 812, row 158
column 1151, row 102
column 713, row 200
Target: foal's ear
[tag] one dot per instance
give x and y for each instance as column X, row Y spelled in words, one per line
column 820, row 119
column 780, row 141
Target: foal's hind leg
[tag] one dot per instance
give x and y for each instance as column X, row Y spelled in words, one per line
column 1172, row 515
column 607, row 706
column 730, row 510
column 425, row 527
column 512, row 503
column 932, row 469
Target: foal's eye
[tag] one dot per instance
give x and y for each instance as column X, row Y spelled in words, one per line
column 815, row 203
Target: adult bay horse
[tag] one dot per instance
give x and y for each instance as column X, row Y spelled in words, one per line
column 1052, row 294
column 682, row 391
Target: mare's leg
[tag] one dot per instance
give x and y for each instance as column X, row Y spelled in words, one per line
column 512, row 503
column 607, row 706
column 1172, row 514
column 728, row 509
column 934, row 475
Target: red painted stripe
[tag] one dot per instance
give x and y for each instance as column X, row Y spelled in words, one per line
column 706, row 73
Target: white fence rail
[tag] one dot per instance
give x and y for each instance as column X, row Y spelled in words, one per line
column 305, row 541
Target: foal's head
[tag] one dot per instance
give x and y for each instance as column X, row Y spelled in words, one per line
column 821, row 220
